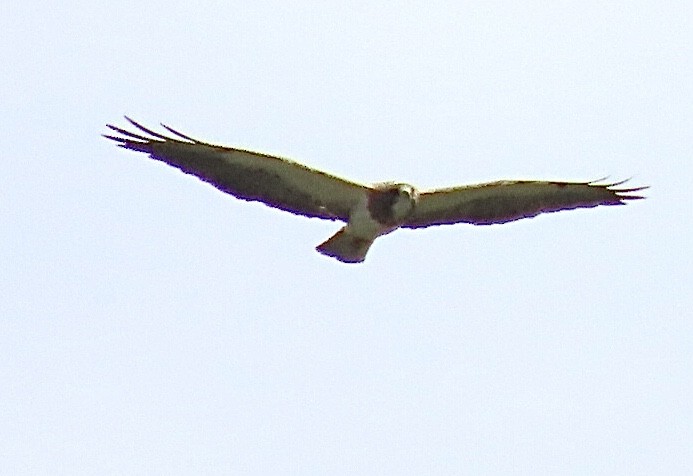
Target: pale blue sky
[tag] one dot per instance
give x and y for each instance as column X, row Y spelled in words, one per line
column 150, row 324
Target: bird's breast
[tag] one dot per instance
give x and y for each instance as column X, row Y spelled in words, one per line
column 388, row 207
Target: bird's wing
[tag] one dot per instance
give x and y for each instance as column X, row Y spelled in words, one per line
column 504, row 201
column 275, row 181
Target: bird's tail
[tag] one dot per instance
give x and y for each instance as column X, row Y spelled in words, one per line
column 346, row 247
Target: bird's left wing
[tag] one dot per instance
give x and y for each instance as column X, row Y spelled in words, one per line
column 504, row 201
column 277, row 182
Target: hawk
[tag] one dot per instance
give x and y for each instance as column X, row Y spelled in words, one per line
column 369, row 211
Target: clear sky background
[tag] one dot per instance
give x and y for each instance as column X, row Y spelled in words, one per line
column 150, row 324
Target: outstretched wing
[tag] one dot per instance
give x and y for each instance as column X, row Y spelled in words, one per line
column 275, row 181
column 504, row 201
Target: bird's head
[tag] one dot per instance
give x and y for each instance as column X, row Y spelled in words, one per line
column 407, row 196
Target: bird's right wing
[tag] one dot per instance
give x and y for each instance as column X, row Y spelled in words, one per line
column 277, row 182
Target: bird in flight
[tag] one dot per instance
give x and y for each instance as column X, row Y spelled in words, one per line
column 369, row 211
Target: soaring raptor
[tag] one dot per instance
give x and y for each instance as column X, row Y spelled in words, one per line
column 369, row 211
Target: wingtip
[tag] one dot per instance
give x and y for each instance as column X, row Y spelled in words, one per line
column 114, row 138
column 621, row 194
column 179, row 134
column 146, row 135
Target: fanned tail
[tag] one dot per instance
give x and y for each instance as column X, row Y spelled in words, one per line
column 346, row 247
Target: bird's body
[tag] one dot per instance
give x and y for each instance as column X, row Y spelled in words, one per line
column 369, row 211
column 379, row 212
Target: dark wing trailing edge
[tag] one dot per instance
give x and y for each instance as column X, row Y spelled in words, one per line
column 277, row 182
column 504, row 201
